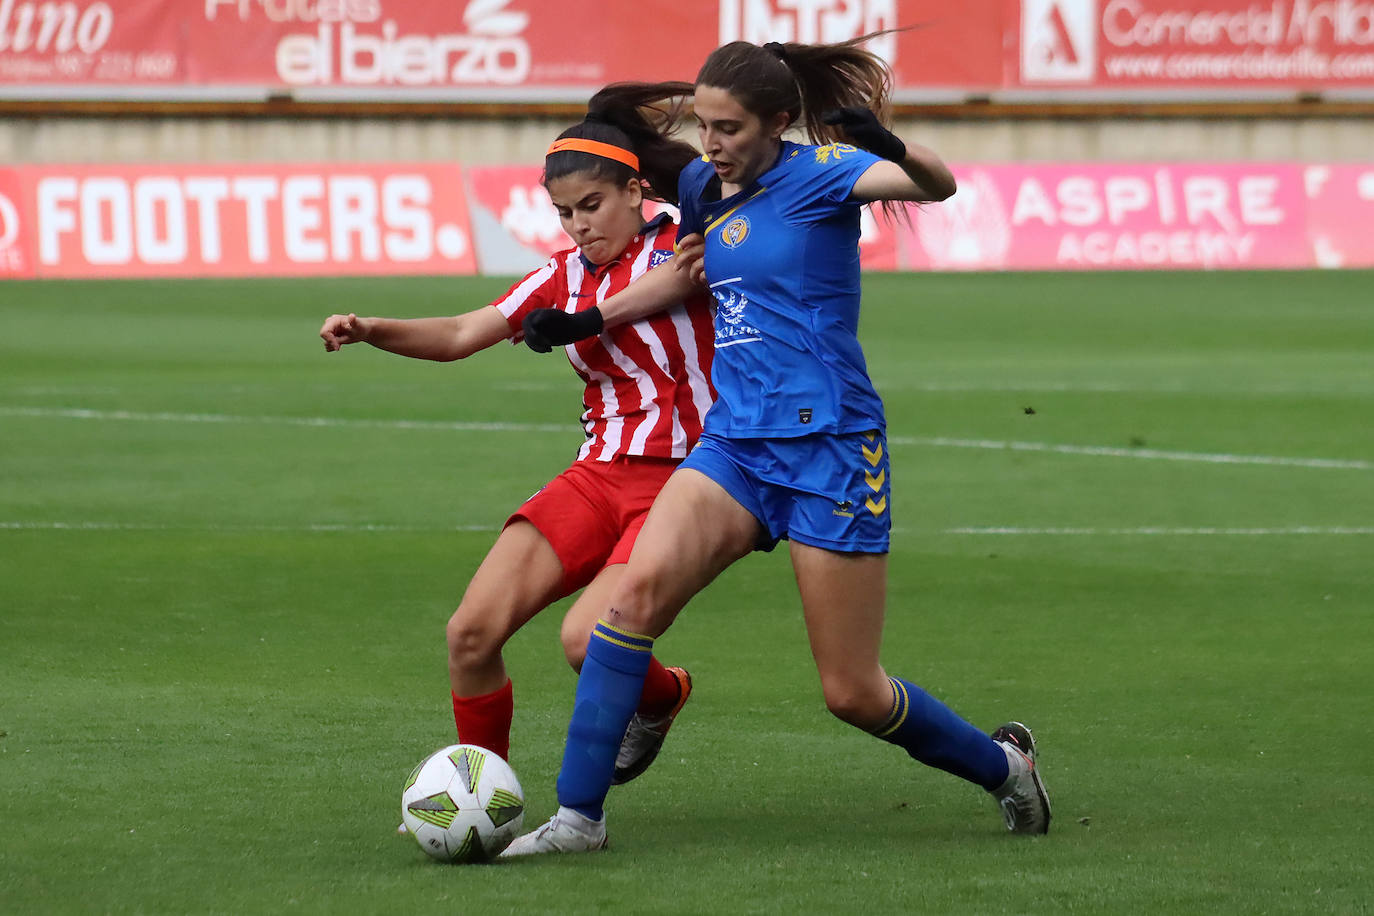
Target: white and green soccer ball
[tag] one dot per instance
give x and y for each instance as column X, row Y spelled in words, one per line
column 463, row 804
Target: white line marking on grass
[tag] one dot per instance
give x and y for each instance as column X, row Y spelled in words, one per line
column 1297, row 530
column 78, row 413
column 1034, row 387
column 242, row 529
column 1170, row 532
column 1141, row 453
column 1101, row 451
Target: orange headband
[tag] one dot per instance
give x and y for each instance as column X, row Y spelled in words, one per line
column 596, row 148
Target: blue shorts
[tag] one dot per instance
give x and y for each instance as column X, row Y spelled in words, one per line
column 829, row 491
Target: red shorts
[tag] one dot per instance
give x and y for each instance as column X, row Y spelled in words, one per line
column 592, row 512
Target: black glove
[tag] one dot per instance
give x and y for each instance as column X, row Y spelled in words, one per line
column 545, row 329
column 863, row 127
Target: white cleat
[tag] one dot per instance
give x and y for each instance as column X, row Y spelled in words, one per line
column 566, row 831
column 1022, row 798
column 402, row 829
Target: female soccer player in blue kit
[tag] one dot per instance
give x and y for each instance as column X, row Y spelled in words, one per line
column 794, row 445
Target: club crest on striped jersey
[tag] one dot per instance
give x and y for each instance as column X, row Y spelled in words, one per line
column 734, row 233
column 658, row 256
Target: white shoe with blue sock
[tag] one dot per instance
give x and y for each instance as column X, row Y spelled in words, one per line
column 566, row 831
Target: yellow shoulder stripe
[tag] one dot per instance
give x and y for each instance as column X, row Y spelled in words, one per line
column 731, row 212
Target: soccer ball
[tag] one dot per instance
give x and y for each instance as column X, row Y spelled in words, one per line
column 463, row 804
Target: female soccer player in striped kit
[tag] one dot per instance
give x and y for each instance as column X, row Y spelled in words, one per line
column 646, row 391
column 794, row 445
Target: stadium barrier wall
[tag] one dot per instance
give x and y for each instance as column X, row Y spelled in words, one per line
column 288, row 219
column 40, row 139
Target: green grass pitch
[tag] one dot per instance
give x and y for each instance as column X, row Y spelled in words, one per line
column 1135, row 510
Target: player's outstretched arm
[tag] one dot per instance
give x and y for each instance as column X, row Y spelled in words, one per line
column 658, row 289
column 911, row 172
column 442, row 339
column 921, row 176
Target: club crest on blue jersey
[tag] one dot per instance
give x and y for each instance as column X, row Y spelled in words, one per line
column 834, row 151
column 658, row 256
column 733, row 233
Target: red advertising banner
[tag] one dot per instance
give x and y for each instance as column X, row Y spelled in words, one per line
column 98, row 42
column 517, row 226
column 1340, row 214
column 544, row 50
column 426, row 218
column 517, row 219
column 15, row 259
column 942, row 45
column 242, row 220
column 511, row 45
column 533, row 48
column 1115, row 216
column 480, row 49
column 515, row 222
column 1218, row 44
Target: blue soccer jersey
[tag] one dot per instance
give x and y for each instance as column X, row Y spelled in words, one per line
column 782, row 260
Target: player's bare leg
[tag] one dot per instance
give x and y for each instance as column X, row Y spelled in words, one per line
column 843, row 597
column 694, row 531
column 520, row 576
column 582, row 616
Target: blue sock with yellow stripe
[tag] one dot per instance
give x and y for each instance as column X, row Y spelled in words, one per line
column 932, row 733
column 608, row 691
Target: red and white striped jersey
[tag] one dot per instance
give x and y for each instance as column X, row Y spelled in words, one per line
column 648, row 383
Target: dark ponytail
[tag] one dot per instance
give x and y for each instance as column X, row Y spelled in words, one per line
column 805, row 81
column 640, row 117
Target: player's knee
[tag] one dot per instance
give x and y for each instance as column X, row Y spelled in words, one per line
column 472, row 638
column 635, row 605
column 574, row 636
column 854, row 702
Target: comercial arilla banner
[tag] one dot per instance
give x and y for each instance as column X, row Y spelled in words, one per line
column 563, row 50
column 1219, row 44
column 313, row 219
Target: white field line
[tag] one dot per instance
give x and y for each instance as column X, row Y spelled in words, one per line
column 79, row 413
column 1154, row 454
column 1103, row 451
column 1089, row 387
column 242, row 529
column 1161, row 531
column 1152, row 531
column 1351, row 389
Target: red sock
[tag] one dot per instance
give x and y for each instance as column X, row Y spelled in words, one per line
column 661, row 690
column 485, row 720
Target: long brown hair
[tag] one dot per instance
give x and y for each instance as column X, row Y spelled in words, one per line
column 805, row 81
column 640, row 117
